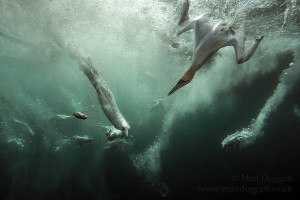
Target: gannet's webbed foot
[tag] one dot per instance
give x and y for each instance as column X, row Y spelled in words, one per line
column 243, row 55
column 237, row 140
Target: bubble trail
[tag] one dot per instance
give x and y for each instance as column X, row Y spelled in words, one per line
column 247, row 136
column 105, row 96
column 24, row 125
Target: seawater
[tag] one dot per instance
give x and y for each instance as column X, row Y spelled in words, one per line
column 175, row 151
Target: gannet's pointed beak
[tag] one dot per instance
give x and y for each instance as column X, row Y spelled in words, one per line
column 179, row 84
column 185, row 79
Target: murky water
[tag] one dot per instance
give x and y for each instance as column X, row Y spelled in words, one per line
column 174, row 150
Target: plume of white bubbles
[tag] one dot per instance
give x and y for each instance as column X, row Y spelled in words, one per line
column 247, row 136
column 149, row 161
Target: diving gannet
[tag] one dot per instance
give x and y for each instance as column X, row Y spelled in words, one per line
column 106, row 99
column 105, row 96
column 208, row 40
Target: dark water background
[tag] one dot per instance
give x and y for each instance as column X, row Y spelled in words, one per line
column 175, row 152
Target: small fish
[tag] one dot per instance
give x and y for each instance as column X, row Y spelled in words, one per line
column 82, row 139
column 115, row 144
column 79, row 115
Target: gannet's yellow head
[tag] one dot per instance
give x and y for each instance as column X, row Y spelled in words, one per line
column 185, row 79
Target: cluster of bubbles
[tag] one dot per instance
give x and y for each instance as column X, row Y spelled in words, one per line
column 241, row 139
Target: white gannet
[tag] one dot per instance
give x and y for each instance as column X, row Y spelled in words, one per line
column 208, row 40
column 106, row 99
column 105, row 96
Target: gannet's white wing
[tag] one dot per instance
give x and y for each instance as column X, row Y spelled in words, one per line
column 201, row 27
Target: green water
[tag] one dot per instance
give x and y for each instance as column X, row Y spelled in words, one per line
column 131, row 43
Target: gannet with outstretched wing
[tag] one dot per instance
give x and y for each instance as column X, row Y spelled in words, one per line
column 208, row 40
